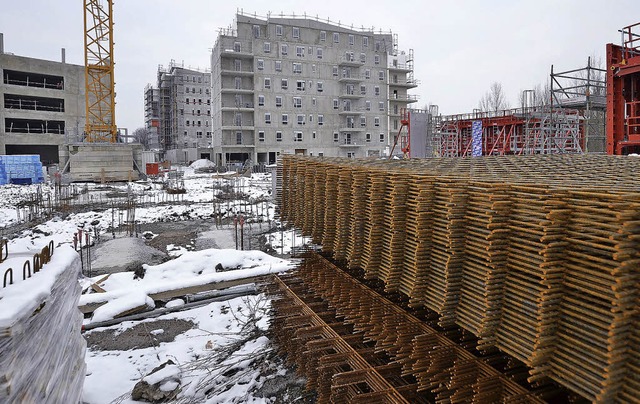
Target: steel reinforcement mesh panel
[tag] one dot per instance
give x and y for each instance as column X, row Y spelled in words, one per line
column 538, row 256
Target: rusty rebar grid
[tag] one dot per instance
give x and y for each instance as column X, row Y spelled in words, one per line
column 535, row 255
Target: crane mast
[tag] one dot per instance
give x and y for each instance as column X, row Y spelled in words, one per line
column 99, row 78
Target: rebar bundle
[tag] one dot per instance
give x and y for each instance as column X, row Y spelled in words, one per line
column 537, row 256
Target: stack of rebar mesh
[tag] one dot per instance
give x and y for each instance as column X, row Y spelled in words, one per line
column 538, row 256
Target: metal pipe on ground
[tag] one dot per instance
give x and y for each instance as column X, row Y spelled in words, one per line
column 232, row 294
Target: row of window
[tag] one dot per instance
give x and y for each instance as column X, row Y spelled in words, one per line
column 350, row 89
column 186, row 101
column 192, row 79
column 350, row 121
column 346, row 104
column 296, row 32
column 193, row 90
column 199, row 135
column 194, row 112
column 195, row 123
column 297, row 67
column 299, row 137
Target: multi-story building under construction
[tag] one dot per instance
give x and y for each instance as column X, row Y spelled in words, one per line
column 286, row 84
column 42, row 107
column 180, row 108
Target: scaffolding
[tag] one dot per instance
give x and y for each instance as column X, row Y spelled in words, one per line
column 526, row 130
column 583, row 90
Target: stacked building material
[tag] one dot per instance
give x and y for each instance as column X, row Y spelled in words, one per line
column 20, row 169
column 392, row 256
column 29, row 373
column 483, row 269
column 594, row 337
column 330, row 207
column 343, row 214
column 374, row 223
column 537, row 256
column 417, row 246
column 357, row 219
column 445, row 277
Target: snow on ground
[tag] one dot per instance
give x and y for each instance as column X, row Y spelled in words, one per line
column 124, row 290
column 284, row 241
column 223, row 352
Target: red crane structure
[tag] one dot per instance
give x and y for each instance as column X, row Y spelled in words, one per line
column 623, row 93
column 403, row 138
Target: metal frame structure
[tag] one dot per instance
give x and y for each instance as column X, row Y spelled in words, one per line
column 583, row 90
column 99, row 72
column 527, row 130
column 623, row 93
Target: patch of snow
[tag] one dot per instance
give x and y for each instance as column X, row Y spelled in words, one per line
column 202, row 163
column 118, row 306
column 174, row 303
column 169, row 371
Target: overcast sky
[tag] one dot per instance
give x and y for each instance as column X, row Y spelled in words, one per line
column 461, row 46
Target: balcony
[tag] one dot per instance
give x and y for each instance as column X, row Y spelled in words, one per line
column 237, row 91
column 350, row 61
column 407, row 99
column 351, row 95
column 352, row 129
column 346, row 78
column 349, row 143
column 236, row 128
column 410, row 83
column 400, row 67
column 238, row 73
column 246, row 107
column 351, row 111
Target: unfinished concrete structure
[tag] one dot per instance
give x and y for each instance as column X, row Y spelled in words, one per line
column 181, row 113
column 293, row 84
column 42, row 106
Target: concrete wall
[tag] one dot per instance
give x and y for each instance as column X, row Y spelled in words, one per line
column 104, row 161
column 262, row 58
column 73, row 94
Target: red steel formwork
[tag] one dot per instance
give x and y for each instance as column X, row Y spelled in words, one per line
column 538, row 130
column 623, row 93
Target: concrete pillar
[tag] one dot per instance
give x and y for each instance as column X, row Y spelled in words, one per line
column 63, row 51
column 1, row 43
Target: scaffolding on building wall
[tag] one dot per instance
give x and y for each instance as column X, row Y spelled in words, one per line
column 584, row 90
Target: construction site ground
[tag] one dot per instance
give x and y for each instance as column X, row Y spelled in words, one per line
column 223, row 348
column 155, row 244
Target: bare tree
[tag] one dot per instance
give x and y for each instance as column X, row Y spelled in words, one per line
column 142, row 136
column 494, row 100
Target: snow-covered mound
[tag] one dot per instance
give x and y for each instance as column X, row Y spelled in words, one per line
column 192, row 268
column 202, row 163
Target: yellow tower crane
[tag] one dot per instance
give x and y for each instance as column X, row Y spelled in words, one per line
column 99, row 78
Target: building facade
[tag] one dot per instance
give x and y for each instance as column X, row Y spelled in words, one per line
column 42, row 106
column 300, row 85
column 180, row 108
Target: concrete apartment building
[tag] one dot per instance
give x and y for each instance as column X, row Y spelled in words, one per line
column 180, row 108
column 301, row 85
column 43, row 106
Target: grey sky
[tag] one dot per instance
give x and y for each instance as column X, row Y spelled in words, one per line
column 460, row 47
